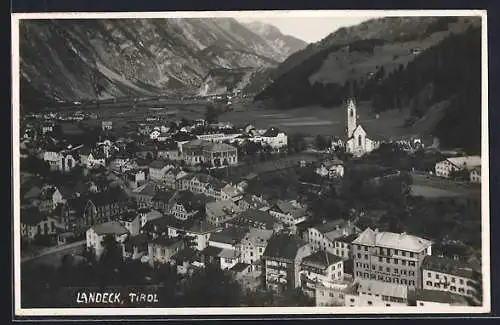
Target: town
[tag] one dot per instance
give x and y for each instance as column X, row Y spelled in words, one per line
column 216, row 214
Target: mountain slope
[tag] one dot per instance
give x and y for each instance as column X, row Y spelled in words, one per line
column 285, row 44
column 82, row 59
column 355, row 53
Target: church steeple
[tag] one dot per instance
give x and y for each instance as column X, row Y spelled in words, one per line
column 351, row 117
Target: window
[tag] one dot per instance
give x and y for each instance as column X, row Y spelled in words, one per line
column 461, row 290
column 429, row 274
column 366, row 256
column 411, row 254
column 437, row 276
column 359, row 255
column 380, row 268
column 396, row 261
column 461, row 281
column 370, row 303
column 366, row 248
column 359, row 140
column 352, row 299
column 436, row 285
column 452, row 280
column 411, row 282
column 421, row 304
column 388, row 260
column 396, row 271
column 403, row 262
column 380, row 259
column 412, row 273
column 453, row 288
column 388, row 269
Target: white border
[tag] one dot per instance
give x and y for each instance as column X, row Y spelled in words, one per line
column 16, row 17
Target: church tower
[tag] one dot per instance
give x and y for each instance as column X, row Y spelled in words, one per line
column 351, row 117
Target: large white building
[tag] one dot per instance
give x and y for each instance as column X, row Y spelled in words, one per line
column 358, row 142
column 375, row 293
column 446, row 167
column 390, row 257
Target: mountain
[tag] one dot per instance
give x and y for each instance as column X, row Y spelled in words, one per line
column 281, row 43
column 429, row 65
column 356, row 53
column 81, row 59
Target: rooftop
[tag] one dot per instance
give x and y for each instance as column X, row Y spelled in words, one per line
column 240, row 267
column 448, row 266
column 158, row 164
column 383, row 288
column 228, row 236
column 283, row 246
column 321, row 259
column 444, row 297
column 258, row 237
column 146, row 189
column 401, row 241
column 110, row 228
column 468, row 162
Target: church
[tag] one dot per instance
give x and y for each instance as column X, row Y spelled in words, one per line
column 357, row 142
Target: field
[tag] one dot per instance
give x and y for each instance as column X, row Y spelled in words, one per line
column 308, row 120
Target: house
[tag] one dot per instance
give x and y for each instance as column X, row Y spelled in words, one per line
column 320, row 267
column 172, row 176
column 228, row 240
column 332, row 294
column 185, row 205
column 96, row 234
column 131, row 220
column 103, row 207
column 433, row 298
column 323, row 236
column 358, row 143
column 149, row 215
column 158, row 169
column 475, row 175
column 252, row 247
column 62, row 161
column 445, row 274
column 289, row 213
column 282, row 258
column 136, row 246
column 199, row 230
column 390, row 257
column 136, row 178
column 107, row 125
column 251, row 201
column 331, row 168
column 218, row 212
column 377, row 293
column 168, row 151
column 49, row 198
column 448, row 166
column 161, row 250
column 153, row 135
column 343, row 246
column 161, row 199
column 144, row 195
column 201, row 184
column 254, row 218
column 35, row 223
column 271, row 137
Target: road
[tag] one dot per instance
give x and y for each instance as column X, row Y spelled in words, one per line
column 53, row 256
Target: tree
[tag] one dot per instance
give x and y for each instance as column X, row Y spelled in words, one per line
column 321, row 142
column 211, row 114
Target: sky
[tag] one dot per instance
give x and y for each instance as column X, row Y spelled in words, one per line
column 309, row 29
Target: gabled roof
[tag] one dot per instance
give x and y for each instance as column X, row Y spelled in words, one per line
column 110, row 228
column 258, row 216
column 258, row 237
column 158, row 164
column 239, row 267
column 163, row 195
column 448, row 266
column 211, row 251
column 147, row 189
column 190, row 200
column 128, row 216
column 321, row 259
column 228, row 236
column 283, row 246
column 165, row 241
